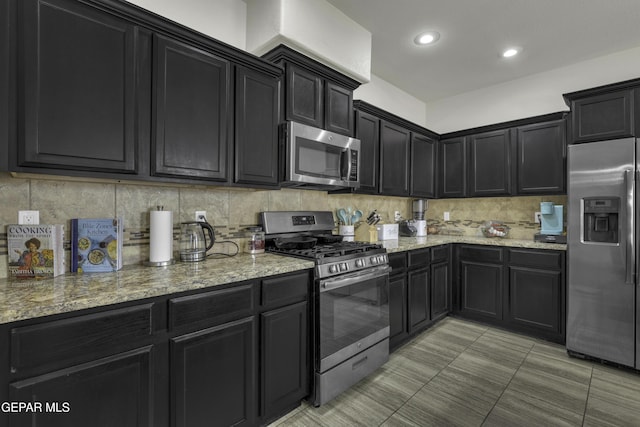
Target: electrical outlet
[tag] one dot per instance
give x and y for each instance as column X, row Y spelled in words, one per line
column 28, row 217
column 536, row 217
column 447, row 216
column 201, row 216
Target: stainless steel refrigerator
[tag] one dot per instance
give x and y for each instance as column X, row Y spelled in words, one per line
column 603, row 315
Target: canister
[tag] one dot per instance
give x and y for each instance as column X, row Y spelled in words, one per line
column 255, row 240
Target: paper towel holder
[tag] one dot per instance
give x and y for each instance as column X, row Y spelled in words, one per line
column 170, row 261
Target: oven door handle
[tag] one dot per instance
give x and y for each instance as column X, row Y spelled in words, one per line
column 350, row 279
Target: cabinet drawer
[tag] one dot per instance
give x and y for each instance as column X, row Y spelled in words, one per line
column 480, row 253
column 398, row 262
column 531, row 258
column 285, row 289
column 419, row 258
column 211, row 308
column 62, row 342
column 439, row 253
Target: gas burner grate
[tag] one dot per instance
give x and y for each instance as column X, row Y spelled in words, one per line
column 333, row 250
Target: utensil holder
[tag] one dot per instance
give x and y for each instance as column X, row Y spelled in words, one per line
column 366, row 233
column 346, row 230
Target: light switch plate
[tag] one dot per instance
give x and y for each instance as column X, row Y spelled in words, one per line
column 447, row 217
column 28, row 217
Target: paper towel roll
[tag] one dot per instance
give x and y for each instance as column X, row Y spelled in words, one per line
column 161, row 236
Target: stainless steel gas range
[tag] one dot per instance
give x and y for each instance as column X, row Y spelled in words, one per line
column 350, row 310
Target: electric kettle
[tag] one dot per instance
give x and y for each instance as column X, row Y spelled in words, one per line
column 193, row 244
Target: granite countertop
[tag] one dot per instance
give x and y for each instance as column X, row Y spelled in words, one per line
column 410, row 243
column 27, row 299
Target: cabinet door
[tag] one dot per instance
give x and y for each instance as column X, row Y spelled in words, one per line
column 423, row 166
column 452, row 168
column 191, row 110
column 338, row 109
column 418, row 299
column 368, row 132
column 605, row 116
column 213, row 376
column 398, row 330
column 535, row 301
column 394, row 160
column 541, row 158
column 77, row 89
column 7, row 87
column 481, row 290
column 256, row 127
column 285, row 359
column 490, row 164
column 304, row 97
column 113, row 391
column 440, row 290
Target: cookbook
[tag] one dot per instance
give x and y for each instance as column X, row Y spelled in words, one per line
column 35, row 251
column 96, row 244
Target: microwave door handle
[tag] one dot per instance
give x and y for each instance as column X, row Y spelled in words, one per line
column 629, row 181
column 346, row 159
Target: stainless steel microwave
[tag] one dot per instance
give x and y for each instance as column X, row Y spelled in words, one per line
column 318, row 158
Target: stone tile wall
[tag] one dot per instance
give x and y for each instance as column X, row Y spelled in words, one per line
column 230, row 211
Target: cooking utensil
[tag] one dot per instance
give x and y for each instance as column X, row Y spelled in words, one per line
column 357, row 214
column 342, row 216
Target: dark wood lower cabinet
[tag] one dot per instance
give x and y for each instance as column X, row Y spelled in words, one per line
column 213, row 376
column 481, row 290
column 514, row 288
column 398, row 329
column 285, row 359
column 440, row 298
column 112, row 391
column 418, row 294
column 234, row 354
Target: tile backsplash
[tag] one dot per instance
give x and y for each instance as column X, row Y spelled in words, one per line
column 230, row 211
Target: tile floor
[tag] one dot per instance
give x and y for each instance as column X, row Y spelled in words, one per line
column 467, row 374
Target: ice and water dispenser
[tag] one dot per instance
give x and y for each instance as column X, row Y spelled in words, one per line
column 601, row 217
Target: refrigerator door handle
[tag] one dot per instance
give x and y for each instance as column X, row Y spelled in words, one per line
column 629, row 181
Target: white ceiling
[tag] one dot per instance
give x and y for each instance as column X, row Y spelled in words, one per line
column 552, row 34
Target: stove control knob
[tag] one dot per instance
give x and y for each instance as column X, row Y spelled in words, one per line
column 360, row 263
column 344, row 266
column 373, row 260
column 333, row 268
column 380, row 259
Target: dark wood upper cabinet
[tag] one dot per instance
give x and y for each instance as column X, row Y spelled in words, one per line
column 541, row 158
column 490, row 163
column 423, row 166
column 78, row 87
column 190, row 112
column 394, row 159
column 452, row 168
column 304, row 99
column 315, row 94
column 257, row 107
column 603, row 116
column 338, row 109
column 368, row 132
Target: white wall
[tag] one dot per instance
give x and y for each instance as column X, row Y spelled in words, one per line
column 530, row 96
column 224, row 20
column 314, row 27
column 384, row 95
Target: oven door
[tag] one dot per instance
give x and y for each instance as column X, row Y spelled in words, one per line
column 316, row 156
column 354, row 314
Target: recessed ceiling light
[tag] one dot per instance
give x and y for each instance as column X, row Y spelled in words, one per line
column 508, row 53
column 428, row 37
